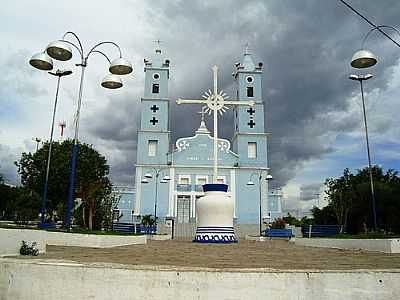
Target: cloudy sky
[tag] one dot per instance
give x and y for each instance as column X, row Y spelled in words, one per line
column 313, row 111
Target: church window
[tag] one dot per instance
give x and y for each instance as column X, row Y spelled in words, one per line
column 252, row 150
column 152, row 151
column 184, row 179
column 250, row 91
column 249, row 79
column 221, row 179
column 156, row 76
column 200, row 180
column 156, row 88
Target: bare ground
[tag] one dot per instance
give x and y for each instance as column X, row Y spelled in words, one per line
column 275, row 254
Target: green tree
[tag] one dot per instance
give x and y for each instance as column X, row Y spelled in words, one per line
column 340, row 192
column 26, row 206
column 349, row 198
column 8, row 195
column 148, row 220
column 291, row 220
column 92, row 183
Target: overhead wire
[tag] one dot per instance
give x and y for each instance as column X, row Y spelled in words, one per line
column 369, row 22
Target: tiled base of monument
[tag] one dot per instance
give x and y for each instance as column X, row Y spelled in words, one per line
column 215, row 235
column 214, row 214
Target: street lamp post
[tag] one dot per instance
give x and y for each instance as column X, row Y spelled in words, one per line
column 251, row 182
column 165, row 179
column 61, row 50
column 364, row 58
column 361, row 59
column 361, row 78
column 59, row 74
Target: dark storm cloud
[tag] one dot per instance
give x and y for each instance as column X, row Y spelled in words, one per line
column 305, row 46
column 310, row 192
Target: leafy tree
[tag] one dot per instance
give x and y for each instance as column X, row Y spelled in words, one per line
column 92, row 183
column 8, row 194
column 291, row 220
column 324, row 216
column 27, row 206
column 148, row 220
column 349, row 198
column 340, row 193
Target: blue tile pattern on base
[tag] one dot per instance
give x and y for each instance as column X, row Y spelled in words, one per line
column 221, row 235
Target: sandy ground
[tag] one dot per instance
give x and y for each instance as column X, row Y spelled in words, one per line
column 276, row 254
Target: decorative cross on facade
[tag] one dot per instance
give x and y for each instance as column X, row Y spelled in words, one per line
column 158, row 42
column 246, row 51
column 251, row 123
column 202, row 113
column 251, row 111
column 154, row 108
column 215, row 102
column 154, row 121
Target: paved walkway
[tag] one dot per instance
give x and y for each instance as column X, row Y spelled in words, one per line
column 275, row 254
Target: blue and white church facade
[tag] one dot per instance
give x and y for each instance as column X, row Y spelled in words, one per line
column 169, row 178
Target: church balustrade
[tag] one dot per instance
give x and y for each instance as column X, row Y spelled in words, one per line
column 198, row 187
column 184, row 187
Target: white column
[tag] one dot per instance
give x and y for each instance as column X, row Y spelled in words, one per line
column 171, row 192
column 138, row 190
column 192, row 199
column 264, row 198
column 233, row 190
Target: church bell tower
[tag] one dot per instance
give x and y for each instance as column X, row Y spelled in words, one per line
column 249, row 137
column 154, row 133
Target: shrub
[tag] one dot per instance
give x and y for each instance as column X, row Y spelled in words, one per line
column 28, row 250
column 278, row 224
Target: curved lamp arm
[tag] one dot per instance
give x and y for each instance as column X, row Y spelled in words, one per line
column 102, row 43
column 379, row 28
column 80, row 49
column 102, row 53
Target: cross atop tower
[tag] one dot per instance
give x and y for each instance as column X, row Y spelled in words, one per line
column 158, row 47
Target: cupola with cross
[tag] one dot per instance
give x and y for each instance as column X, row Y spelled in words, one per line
column 249, row 131
column 154, row 133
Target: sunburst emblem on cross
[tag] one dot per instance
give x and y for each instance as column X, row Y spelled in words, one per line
column 215, row 102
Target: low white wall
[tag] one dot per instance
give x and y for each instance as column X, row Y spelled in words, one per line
column 10, row 240
column 33, row 279
column 380, row 245
column 267, row 239
column 159, row 237
column 92, row 240
column 242, row 230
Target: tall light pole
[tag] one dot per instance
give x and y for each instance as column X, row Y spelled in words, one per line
column 165, row 179
column 59, row 74
column 360, row 79
column 250, row 183
column 361, row 59
column 61, row 50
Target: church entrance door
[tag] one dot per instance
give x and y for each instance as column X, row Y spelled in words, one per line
column 183, row 209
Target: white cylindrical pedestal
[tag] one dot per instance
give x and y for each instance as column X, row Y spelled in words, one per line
column 214, row 214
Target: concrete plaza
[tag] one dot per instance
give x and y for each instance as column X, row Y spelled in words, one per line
column 274, row 254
